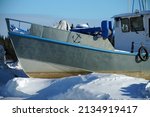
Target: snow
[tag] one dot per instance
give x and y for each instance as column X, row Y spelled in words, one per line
column 15, row 85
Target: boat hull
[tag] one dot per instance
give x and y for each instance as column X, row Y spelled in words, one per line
column 40, row 69
column 44, row 52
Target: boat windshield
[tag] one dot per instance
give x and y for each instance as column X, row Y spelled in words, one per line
column 125, row 25
column 137, row 24
column 133, row 24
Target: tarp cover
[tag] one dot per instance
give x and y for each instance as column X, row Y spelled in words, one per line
column 63, row 25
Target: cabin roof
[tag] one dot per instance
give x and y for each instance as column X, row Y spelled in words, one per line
column 132, row 14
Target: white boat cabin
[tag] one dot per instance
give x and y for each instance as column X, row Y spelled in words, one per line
column 132, row 30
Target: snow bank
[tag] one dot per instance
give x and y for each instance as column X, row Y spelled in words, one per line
column 92, row 86
column 107, row 86
column 147, row 88
column 77, row 93
column 16, row 69
column 24, row 87
column 9, row 71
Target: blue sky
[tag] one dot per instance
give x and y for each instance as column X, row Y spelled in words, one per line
column 84, row 9
column 74, row 11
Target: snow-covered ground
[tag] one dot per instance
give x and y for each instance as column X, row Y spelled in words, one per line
column 95, row 86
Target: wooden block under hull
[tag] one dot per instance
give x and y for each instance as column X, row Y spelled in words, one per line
column 144, row 75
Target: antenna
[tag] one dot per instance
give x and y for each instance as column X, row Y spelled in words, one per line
column 147, row 4
column 142, row 5
column 129, row 5
column 133, row 6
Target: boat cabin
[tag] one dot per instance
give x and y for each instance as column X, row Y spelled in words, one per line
column 132, row 30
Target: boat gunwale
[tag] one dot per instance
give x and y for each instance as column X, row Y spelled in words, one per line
column 72, row 44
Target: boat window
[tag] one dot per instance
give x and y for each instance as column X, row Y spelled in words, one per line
column 125, row 25
column 137, row 24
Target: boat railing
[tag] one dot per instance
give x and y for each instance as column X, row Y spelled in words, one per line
column 18, row 26
column 24, row 27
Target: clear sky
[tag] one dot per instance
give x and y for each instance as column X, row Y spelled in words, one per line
column 74, row 11
column 84, row 9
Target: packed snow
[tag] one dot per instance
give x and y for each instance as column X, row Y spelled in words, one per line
column 94, row 86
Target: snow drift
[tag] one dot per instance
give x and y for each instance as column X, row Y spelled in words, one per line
column 82, row 87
